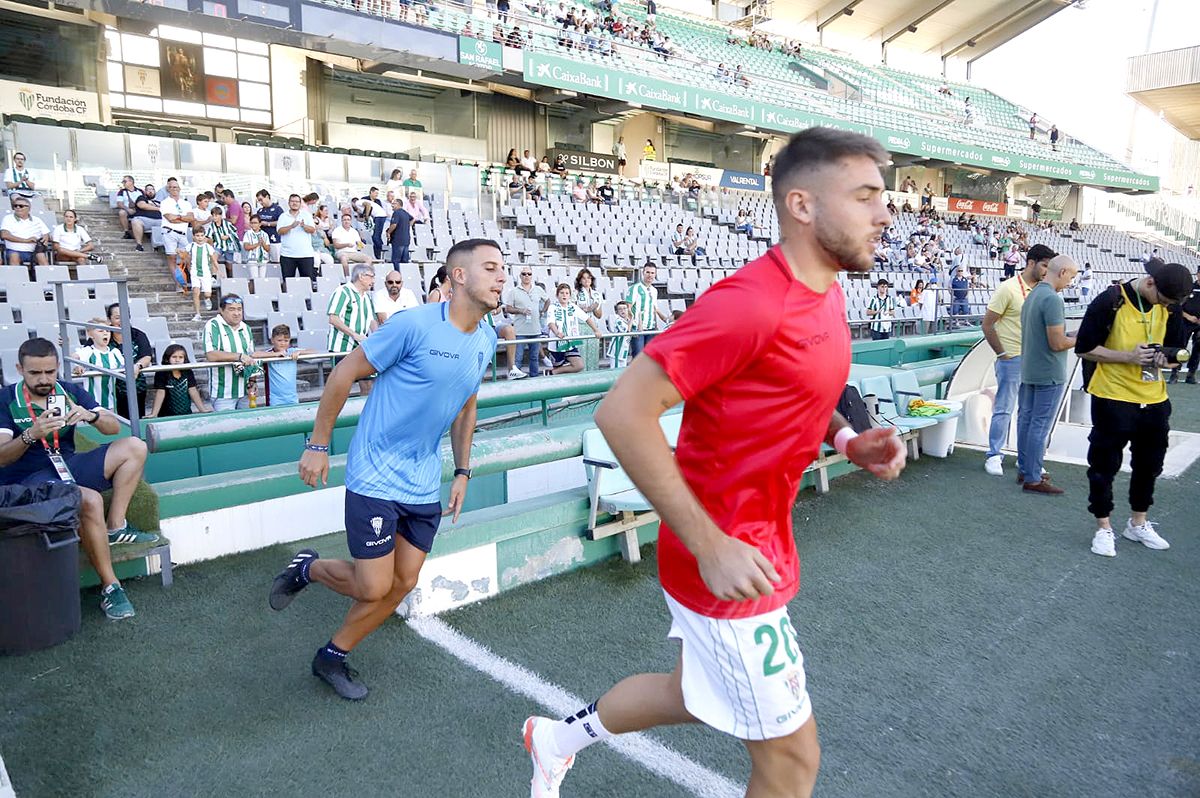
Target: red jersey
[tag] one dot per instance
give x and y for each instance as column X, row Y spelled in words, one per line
column 760, row 360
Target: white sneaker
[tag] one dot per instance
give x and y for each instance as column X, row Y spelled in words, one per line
column 994, row 465
column 1104, row 544
column 548, row 770
column 196, row 317
column 516, row 374
column 1145, row 535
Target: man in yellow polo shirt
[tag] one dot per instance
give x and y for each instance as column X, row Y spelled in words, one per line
column 1002, row 331
column 1119, row 340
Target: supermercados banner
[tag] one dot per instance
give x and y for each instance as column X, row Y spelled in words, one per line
column 649, row 92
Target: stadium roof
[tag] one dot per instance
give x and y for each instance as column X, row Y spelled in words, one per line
column 1169, row 83
column 965, row 28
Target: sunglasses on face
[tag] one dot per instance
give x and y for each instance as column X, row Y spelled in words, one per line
column 233, row 301
column 526, row 274
column 20, row 206
column 394, row 282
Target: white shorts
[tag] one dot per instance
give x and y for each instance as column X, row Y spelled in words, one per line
column 742, row 676
column 205, row 283
column 173, row 241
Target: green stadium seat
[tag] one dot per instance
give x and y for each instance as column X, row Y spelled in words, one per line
column 45, row 120
column 341, row 150
column 371, row 153
column 356, row 152
column 71, row 123
column 93, row 126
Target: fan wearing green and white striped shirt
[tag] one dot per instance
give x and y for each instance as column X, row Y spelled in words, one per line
column 643, row 305
column 104, row 387
column 352, row 314
column 203, row 260
column 227, row 339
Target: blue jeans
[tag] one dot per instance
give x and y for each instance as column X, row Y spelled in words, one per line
column 1008, row 381
column 636, row 344
column 960, row 307
column 377, row 237
column 535, row 365
column 1035, row 417
column 400, row 254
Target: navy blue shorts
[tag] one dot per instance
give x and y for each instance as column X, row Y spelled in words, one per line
column 563, row 357
column 372, row 525
column 86, row 467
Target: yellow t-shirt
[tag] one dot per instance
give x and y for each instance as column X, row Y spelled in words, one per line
column 1123, row 381
column 1007, row 303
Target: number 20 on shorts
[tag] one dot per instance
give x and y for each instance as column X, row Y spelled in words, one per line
column 770, row 635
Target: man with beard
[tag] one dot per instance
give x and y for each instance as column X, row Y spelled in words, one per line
column 761, row 398
column 428, row 362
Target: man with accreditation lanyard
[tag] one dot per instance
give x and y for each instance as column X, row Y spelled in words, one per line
column 38, row 417
column 1122, row 341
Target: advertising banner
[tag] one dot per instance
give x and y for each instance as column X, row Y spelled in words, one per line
column 654, row 171
column 142, row 80
column 594, row 79
column 586, row 161
column 746, row 181
column 34, row 100
column 982, row 207
column 182, row 73
column 477, row 52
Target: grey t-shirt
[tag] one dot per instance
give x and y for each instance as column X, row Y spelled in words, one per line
column 530, row 300
column 1039, row 364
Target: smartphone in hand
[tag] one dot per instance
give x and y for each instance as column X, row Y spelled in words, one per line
column 56, row 405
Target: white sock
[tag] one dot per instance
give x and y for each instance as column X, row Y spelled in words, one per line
column 571, row 735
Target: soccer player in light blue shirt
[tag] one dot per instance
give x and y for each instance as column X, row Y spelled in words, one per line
column 428, row 362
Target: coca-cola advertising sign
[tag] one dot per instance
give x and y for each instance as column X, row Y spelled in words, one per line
column 985, row 207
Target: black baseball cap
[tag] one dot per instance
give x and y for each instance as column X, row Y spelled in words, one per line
column 1172, row 280
column 1040, row 252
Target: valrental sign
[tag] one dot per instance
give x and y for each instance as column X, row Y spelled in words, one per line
column 564, row 73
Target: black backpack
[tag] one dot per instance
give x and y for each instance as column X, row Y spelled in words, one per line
column 852, row 408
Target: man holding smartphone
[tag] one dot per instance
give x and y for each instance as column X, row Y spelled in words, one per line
column 38, row 417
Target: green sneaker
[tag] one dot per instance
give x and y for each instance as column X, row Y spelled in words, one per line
column 115, row 603
column 130, row 534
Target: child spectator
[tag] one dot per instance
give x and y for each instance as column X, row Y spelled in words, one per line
column 104, row 387
column 175, row 391
column 281, row 374
column 224, row 237
column 618, row 348
column 203, row 260
column 563, row 322
column 257, row 246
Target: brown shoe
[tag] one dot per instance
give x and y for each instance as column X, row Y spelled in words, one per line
column 1043, row 487
column 1021, row 477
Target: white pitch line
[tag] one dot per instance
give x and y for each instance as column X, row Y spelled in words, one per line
column 639, row 748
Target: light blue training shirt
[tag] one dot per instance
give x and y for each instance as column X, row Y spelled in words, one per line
column 427, row 370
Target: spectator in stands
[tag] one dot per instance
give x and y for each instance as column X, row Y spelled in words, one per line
column 744, row 222
column 1002, row 331
column 643, row 305
column 247, row 212
column 25, row 236
column 16, row 180
column 468, row 30
column 691, row 245
column 322, row 247
column 1186, row 321
column 741, row 78
column 621, row 155
column 98, row 355
column 593, row 193
column 225, row 240
column 563, row 321
column 881, row 310
column 295, row 240
column 891, row 207
column 511, row 161
column 176, row 391
column 587, row 296
column 929, row 307
column 651, row 11
column 532, row 190
column 177, row 215
column 959, row 285
column 914, row 296
column 414, row 205
column 439, row 287
column 544, row 164
column 1074, row 225
column 526, row 164
column 142, row 353
column 348, row 244
column 1044, row 345
column 352, row 314
column 618, row 347
column 281, row 369
column 399, row 234
column 228, row 339
column 126, row 197
column 648, row 151
column 394, row 298
column 145, row 209
column 1054, row 137
column 927, row 196
column 906, row 207
column 379, row 213
column 1035, row 210
column 25, row 460
column 908, row 186
column 525, row 303
column 202, row 258
column 201, row 213
column 968, row 111
column 677, row 240
column 72, row 244
column 1033, row 123
column 516, row 188
column 579, row 193
column 608, row 194
column 560, row 165
column 256, row 245
column 268, row 215
column 395, row 183
column 412, row 182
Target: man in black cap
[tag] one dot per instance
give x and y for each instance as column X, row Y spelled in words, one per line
column 1120, row 340
column 1188, row 318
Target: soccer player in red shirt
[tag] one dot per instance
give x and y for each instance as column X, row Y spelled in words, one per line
column 760, row 399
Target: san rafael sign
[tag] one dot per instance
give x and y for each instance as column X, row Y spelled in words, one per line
column 478, row 53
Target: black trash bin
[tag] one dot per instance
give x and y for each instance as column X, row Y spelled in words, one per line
column 39, row 566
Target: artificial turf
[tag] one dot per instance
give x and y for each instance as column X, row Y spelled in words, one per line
column 960, row 641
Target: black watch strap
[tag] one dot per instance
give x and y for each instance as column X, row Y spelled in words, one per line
column 462, row 472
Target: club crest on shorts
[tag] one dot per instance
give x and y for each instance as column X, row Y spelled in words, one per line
column 377, row 525
column 793, row 683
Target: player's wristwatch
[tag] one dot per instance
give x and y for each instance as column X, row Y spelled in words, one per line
column 462, row 472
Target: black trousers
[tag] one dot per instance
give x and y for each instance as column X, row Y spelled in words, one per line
column 289, row 267
column 1115, row 425
column 122, row 401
